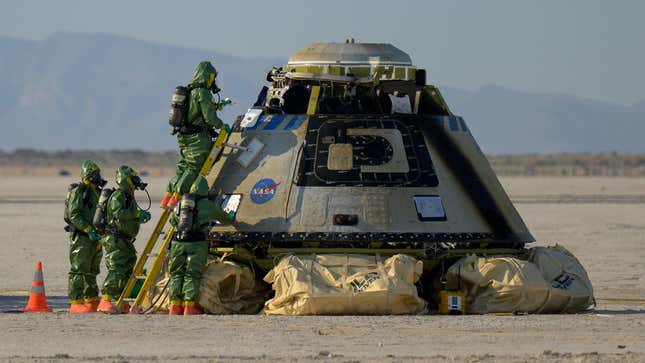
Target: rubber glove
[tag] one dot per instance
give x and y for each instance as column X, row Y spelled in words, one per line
column 93, row 235
column 144, row 216
column 227, row 128
column 225, row 102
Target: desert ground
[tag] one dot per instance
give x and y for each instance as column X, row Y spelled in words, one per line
column 600, row 219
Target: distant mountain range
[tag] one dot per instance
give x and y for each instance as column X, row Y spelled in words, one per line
column 80, row 91
column 509, row 121
column 84, row 91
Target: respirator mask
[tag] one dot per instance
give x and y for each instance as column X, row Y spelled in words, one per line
column 138, row 183
column 212, row 80
column 95, row 178
column 214, row 88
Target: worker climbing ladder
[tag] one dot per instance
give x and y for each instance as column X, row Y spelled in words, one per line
column 138, row 273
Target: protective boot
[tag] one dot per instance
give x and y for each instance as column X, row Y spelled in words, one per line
column 176, row 308
column 79, row 308
column 192, row 308
column 172, row 202
column 106, row 306
column 166, row 199
column 92, row 305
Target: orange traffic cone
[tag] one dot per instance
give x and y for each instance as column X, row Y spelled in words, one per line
column 37, row 300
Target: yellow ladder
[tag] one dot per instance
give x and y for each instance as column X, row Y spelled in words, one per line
column 160, row 256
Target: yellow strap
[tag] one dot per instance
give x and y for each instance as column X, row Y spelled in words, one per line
column 384, row 276
column 238, row 277
column 313, row 100
column 348, row 291
column 310, row 285
column 417, row 101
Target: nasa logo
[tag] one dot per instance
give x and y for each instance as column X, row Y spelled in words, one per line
column 264, row 190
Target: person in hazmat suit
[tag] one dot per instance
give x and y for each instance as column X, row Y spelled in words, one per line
column 192, row 219
column 84, row 246
column 123, row 217
column 196, row 139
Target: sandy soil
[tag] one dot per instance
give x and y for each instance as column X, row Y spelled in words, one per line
column 601, row 220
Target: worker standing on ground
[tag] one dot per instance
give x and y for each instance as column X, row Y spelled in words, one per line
column 84, row 246
column 192, row 220
column 124, row 218
column 195, row 139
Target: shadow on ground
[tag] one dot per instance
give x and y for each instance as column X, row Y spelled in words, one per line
column 14, row 303
column 618, row 312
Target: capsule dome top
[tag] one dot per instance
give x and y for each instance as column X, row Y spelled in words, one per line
column 350, row 53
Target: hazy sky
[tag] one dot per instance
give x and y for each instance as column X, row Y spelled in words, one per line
column 590, row 48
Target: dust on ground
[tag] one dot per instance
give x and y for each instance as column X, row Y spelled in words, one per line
column 600, row 220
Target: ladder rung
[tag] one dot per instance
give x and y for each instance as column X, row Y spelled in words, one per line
column 128, row 299
column 141, row 277
column 152, row 255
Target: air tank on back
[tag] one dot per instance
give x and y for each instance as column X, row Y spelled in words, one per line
column 348, row 149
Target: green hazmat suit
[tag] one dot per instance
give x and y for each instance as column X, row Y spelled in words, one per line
column 84, row 254
column 194, row 147
column 123, row 221
column 188, row 257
